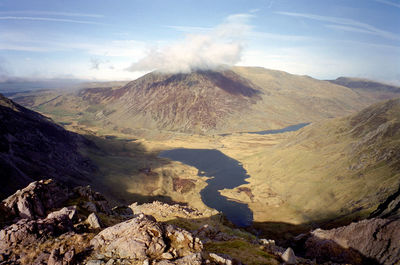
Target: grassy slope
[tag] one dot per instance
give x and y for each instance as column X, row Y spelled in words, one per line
column 341, row 167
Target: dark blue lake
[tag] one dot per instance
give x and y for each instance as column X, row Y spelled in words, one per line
column 226, row 173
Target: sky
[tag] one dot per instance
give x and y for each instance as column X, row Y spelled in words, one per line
column 124, row 39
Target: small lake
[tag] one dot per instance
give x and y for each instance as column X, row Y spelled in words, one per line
column 290, row 128
column 225, row 173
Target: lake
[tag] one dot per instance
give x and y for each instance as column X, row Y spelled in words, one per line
column 225, row 173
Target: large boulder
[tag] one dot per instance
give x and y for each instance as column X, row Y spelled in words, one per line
column 374, row 241
column 144, row 238
column 36, row 199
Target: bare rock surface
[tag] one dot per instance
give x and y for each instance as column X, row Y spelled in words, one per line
column 143, row 238
column 164, row 210
column 373, row 240
column 288, row 256
column 96, row 202
column 27, row 231
column 93, row 221
column 221, row 259
column 37, row 198
column 207, row 233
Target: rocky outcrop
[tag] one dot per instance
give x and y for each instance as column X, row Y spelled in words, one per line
column 36, row 199
column 208, row 233
column 164, row 210
column 143, row 238
column 26, row 232
column 373, row 241
column 72, row 235
column 94, row 201
column 93, row 221
column 288, row 256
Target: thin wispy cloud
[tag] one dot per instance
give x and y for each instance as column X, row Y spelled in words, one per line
column 249, row 33
column 348, row 28
column 51, row 19
column 366, row 28
column 388, row 3
column 50, row 13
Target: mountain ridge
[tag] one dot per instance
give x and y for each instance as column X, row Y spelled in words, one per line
column 205, row 102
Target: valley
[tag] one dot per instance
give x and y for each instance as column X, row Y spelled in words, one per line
column 318, row 174
column 200, row 132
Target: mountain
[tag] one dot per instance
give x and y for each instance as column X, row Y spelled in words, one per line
column 32, row 147
column 221, row 101
column 342, row 169
column 365, row 86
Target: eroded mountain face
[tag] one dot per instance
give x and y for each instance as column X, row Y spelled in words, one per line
column 195, row 102
column 33, row 147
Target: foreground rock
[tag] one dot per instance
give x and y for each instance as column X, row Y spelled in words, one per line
column 94, row 201
column 86, row 231
column 143, row 238
column 373, row 241
column 27, row 232
column 34, row 200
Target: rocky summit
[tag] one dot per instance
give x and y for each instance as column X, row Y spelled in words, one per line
column 49, row 223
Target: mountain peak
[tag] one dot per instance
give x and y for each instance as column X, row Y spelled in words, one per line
column 226, row 80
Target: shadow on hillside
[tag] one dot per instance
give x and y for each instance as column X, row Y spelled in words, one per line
column 125, row 169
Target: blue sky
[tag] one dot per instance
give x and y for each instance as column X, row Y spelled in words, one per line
column 122, row 39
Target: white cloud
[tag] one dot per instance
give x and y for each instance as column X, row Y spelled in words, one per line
column 221, row 45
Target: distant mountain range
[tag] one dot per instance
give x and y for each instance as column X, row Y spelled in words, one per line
column 224, row 101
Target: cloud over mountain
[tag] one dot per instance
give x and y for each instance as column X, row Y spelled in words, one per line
column 213, row 47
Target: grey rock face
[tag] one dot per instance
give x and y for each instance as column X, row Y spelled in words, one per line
column 93, row 221
column 96, row 201
column 26, row 232
column 143, row 238
column 37, row 198
column 374, row 240
column 288, row 256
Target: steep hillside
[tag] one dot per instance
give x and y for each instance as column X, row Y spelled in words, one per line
column 236, row 100
column 33, row 147
column 341, row 168
column 195, row 102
